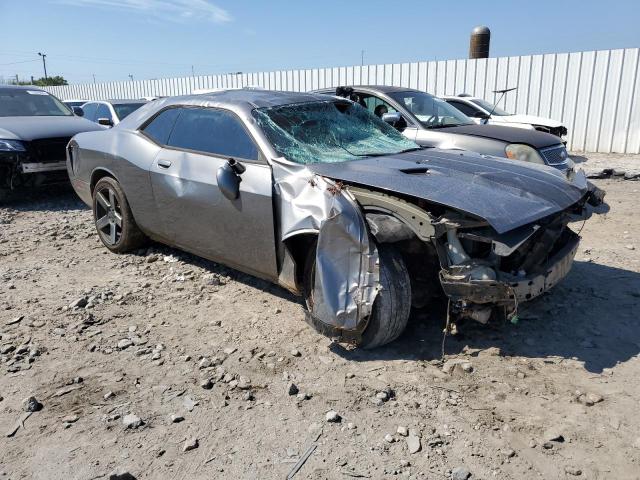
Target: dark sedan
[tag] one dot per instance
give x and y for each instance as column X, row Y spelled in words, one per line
column 35, row 128
column 432, row 122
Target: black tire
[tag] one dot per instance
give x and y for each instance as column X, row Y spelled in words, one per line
column 392, row 305
column 113, row 219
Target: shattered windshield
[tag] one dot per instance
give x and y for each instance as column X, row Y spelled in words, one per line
column 329, row 132
column 431, row 112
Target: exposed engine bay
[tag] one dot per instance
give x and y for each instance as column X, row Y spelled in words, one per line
column 484, row 274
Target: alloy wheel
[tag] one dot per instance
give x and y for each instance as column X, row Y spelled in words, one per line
column 108, row 215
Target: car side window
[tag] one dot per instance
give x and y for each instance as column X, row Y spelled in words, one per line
column 103, row 112
column 467, row 109
column 160, row 127
column 376, row 105
column 214, row 131
column 89, row 110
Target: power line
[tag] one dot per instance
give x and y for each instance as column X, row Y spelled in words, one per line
column 15, row 63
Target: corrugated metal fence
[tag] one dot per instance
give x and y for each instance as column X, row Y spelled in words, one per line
column 595, row 94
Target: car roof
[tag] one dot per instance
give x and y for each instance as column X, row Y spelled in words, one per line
column 461, row 97
column 250, row 98
column 241, row 101
column 20, row 87
column 379, row 88
column 119, row 101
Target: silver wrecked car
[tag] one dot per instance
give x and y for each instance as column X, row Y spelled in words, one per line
column 320, row 196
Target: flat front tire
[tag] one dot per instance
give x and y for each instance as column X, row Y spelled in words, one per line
column 113, row 219
column 392, row 306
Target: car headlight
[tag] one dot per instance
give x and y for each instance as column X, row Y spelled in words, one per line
column 11, row 146
column 524, row 153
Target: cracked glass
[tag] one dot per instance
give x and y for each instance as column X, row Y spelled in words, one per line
column 329, row 132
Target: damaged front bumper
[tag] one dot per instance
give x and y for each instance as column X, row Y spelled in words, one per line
column 509, row 290
column 36, row 163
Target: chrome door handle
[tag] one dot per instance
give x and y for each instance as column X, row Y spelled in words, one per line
column 164, row 163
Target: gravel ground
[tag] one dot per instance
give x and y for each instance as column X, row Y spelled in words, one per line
column 162, row 365
column 615, row 164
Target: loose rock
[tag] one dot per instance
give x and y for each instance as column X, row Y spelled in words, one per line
column 124, row 344
column 132, row 421
column 190, row 444
column 460, row 473
column 413, row 442
column 31, row 404
column 292, row 389
column 333, row 417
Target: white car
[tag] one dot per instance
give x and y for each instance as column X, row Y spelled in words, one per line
column 109, row 112
column 482, row 111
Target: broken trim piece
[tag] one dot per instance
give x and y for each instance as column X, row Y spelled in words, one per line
column 415, row 218
column 504, row 290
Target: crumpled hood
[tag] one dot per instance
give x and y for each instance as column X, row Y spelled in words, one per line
column 530, row 119
column 33, row 128
column 505, row 193
column 506, row 134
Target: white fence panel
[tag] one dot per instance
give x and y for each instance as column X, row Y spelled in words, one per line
column 595, row 94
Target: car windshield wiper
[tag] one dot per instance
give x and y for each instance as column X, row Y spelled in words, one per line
column 361, row 154
column 447, row 125
column 376, row 154
column 412, row 149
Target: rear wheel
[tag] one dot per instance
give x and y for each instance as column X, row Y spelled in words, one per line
column 392, row 305
column 112, row 216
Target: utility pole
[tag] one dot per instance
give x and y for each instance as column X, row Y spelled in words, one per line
column 17, row 81
column 94, row 77
column 44, row 63
column 31, row 79
column 362, row 58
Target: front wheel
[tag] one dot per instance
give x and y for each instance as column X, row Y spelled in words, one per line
column 112, row 216
column 392, row 305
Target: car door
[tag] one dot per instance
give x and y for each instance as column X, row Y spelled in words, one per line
column 196, row 215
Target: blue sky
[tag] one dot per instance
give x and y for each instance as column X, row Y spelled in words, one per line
column 113, row 39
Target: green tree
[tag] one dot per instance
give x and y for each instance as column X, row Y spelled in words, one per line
column 51, row 81
column 45, row 82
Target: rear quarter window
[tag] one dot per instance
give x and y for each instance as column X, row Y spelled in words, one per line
column 161, row 126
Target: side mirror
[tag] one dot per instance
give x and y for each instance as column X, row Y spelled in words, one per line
column 391, row 118
column 481, row 115
column 396, row 120
column 78, row 111
column 106, row 122
column 228, row 178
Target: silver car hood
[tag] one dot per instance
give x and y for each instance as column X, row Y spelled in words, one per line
column 505, row 193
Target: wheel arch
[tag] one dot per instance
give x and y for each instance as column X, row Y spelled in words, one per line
column 297, row 248
column 98, row 174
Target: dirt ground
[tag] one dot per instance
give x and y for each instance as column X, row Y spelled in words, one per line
column 161, row 335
